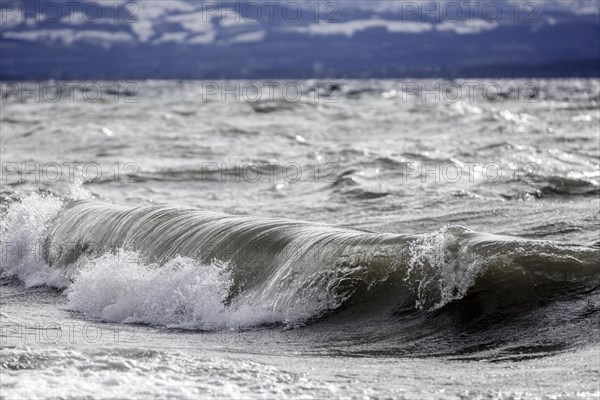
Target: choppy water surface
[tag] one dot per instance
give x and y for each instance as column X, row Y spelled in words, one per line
column 355, row 238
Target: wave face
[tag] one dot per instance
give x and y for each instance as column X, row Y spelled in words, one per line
column 195, row 269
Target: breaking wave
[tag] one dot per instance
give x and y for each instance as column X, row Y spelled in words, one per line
column 190, row 268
